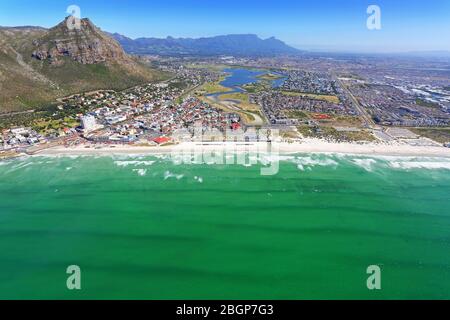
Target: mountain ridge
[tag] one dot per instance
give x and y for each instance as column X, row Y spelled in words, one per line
column 231, row 44
column 38, row 65
column 86, row 45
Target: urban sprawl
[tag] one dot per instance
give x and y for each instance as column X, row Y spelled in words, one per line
column 340, row 99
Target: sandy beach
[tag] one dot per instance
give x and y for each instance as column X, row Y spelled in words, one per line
column 305, row 146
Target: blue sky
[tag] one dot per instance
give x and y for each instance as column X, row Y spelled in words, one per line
column 332, row 25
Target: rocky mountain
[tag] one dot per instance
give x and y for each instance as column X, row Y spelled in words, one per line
column 87, row 45
column 236, row 45
column 38, row 65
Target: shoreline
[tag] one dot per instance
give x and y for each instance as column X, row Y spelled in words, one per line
column 313, row 146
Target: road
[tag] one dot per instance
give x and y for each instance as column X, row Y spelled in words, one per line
column 369, row 123
column 3, row 115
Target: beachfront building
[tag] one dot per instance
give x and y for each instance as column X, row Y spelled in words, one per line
column 89, row 123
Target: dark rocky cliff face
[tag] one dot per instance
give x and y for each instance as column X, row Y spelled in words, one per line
column 86, row 45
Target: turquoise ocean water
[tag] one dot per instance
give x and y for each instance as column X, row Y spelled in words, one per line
column 142, row 227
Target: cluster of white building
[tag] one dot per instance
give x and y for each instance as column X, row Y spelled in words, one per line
column 19, row 137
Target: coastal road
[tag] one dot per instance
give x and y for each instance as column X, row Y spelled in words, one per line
column 9, row 114
column 190, row 90
column 361, row 110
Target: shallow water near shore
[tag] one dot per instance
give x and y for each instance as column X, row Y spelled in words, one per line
column 142, row 227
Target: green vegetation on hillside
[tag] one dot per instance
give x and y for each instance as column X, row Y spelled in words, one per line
column 27, row 83
column 75, row 77
column 23, row 93
column 44, row 118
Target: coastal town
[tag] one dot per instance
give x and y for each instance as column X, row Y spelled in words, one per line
column 145, row 115
column 336, row 106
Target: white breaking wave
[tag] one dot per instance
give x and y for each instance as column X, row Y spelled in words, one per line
column 141, row 172
column 168, row 175
column 199, row 179
column 419, row 165
column 393, row 162
column 22, row 165
column 266, row 159
column 308, row 162
column 161, row 156
column 365, row 163
column 133, row 163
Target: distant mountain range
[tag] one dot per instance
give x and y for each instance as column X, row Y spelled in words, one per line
column 233, row 45
column 38, row 65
